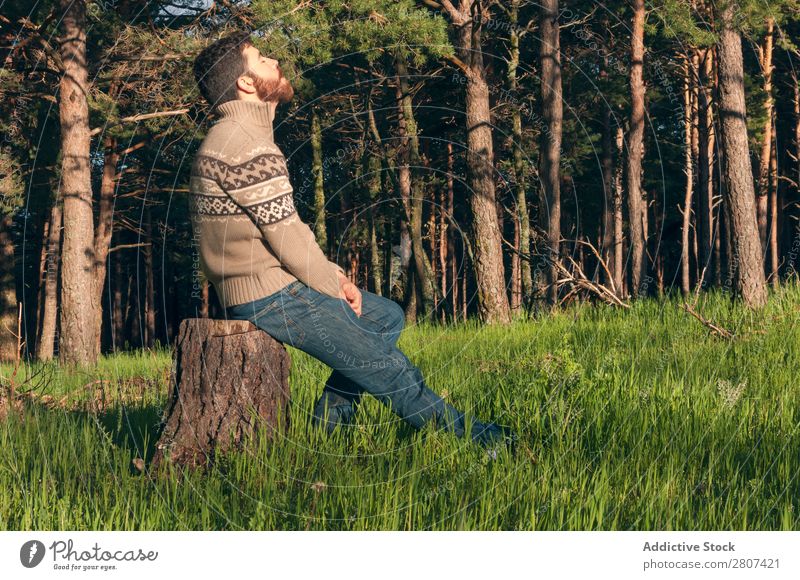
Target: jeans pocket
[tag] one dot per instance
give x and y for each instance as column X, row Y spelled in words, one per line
column 303, row 293
column 251, row 310
column 297, row 336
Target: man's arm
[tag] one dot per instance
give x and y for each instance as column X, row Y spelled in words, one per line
column 338, row 268
column 261, row 187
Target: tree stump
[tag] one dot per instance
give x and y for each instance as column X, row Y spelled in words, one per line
column 228, row 377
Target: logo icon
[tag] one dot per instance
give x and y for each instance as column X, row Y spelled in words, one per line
column 31, row 553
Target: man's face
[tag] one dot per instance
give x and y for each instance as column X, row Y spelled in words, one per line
column 268, row 79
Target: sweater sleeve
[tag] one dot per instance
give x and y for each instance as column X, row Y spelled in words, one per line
column 260, row 186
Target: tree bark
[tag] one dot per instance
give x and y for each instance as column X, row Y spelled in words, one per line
column 765, row 57
column 748, row 266
column 228, row 379
column 150, row 303
column 374, row 180
column 320, row 231
column 550, row 158
column 619, row 268
column 774, row 211
column 705, row 164
column 451, row 244
column 633, row 167
column 688, row 170
column 49, row 296
column 493, row 304
column 105, row 227
column 523, row 228
column 79, row 308
column 413, row 190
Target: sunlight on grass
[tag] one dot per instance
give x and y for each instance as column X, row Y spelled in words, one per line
column 633, row 419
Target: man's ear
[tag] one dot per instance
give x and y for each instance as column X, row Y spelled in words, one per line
column 245, row 84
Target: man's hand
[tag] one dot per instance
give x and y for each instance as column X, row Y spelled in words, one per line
column 350, row 292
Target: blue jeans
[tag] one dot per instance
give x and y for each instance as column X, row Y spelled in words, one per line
column 362, row 352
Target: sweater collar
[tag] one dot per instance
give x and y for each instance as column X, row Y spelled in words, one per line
column 250, row 113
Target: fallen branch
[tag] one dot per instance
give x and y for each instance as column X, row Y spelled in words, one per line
column 715, row 329
column 578, row 279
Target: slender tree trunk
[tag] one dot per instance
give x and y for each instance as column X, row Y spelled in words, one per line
column 374, row 180
column 49, row 296
column 748, row 264
column 687, row 199
column 320, row 231
column 633, row 167
column 79, row 308
column 149, row 305
column 118, row 324
column 451, row 244
column 619, row 268
column 607, row 224
column 518, row 167
column 550, row 158
column 796, row 103
column 765, row 56
column 773, row 210
column 705, row 183
column 442, row 252
column 105, row 227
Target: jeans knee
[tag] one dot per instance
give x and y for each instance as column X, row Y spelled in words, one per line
column 398, row 317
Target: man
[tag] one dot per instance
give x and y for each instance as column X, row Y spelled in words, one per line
column 267, row 267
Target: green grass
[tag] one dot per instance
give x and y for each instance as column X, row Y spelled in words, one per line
column 633, row 419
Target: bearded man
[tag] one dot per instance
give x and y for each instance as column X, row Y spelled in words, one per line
column 266, row 266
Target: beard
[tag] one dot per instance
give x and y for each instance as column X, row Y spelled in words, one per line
column 280, row 90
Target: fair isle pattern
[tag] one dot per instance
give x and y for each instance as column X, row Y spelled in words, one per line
column 261, row 191
column 214, row 205
column 256, row 170
column 273, row 210
column 265, row 181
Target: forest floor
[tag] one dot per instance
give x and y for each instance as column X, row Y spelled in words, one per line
column 630, row 419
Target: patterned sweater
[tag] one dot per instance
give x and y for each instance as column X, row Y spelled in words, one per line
column 251, row 241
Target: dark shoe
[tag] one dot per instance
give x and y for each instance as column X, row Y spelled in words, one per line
column 493, row 437
column 337, row 415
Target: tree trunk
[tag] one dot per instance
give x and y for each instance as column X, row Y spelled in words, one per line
column 633, row 177
column 9, row 303
column 705, row 164
column 374, row 189
column 79, row 307
column 518, row 167
column 550, row 158
column 687, row 200
column 49, row 296
column 488, row 256
column 413, row 189
column 774, row 210
column 150, row 303
column 451, row 244
column 320, row 230
column 442, row 252
column 746, row 259
column 619, row 268
column 118, row 319
column 607, row 223
column 765, row 58
column 105, row 227
column 229, row 378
